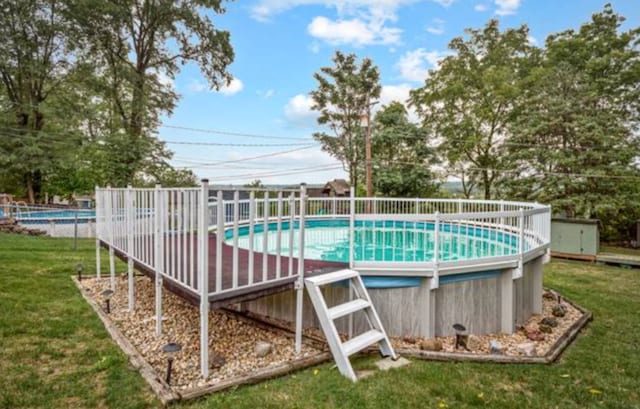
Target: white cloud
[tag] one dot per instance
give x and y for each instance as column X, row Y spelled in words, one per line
column 232, row 88
column 437, row 26
column 532, row 40
column 197, row 86
column 298, row 111
column 358, row 22
column 398, row 93
column 507, row 7
column 481, row 7
column 353, row 31
column 414, row 65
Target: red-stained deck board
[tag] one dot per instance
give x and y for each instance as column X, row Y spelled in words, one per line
column 258, row 289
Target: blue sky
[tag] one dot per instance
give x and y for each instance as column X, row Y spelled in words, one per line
column 279, row 44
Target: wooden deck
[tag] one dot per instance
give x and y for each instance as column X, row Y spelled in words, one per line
column 259, row 288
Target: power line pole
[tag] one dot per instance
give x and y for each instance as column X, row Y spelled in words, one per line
column 368, row 162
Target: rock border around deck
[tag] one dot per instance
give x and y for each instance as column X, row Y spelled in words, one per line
column 165, row 393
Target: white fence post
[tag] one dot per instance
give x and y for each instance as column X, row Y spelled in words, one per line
column 265, row 236
column 252, row 222
column 159, row 256
column 352, row 215
column 203, row 279
column 300, row 281
column 236, row 221
column 99, row 227
column 110, row 219
column 130, row 217
column 519, row 271
column 435, row 280
column 219, row 239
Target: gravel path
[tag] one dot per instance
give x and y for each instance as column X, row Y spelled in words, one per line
column 231, row 341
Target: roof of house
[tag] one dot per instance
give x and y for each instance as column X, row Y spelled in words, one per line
column 339, row 186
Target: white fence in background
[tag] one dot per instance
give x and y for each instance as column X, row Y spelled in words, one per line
column 54, row 221
column 166, row 230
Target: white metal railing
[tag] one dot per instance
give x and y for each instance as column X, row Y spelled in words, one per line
column 167, row 230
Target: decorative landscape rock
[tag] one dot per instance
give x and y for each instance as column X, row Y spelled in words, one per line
column 527, row 349
column 549, row 321
column 431, row 344
column 559, row 310
column 262, row 348
column 474, row 343
column 496, row 348
column 534, row 334
column 409, row 339
column 217, row 360
column 545, row 329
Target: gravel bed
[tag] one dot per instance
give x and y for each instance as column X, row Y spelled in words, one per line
column 509, row 342
column 229, row 337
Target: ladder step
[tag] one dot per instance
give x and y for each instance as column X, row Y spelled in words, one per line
column 348, row 308
column 334, row 277
column 362, row 341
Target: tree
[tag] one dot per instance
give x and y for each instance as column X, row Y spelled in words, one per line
column 402, row 156
column 139, row 46
column 576, row 144
column 36, row 59
column 470, row 99
column 345, row 95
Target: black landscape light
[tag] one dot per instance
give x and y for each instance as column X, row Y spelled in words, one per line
column 461, row 340
column 171, row 350
column 79, row 268
column 107, row 294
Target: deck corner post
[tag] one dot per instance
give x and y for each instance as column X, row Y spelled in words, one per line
column 130, row 217
column 203, row 279
column 300, row 281
column 352, row 222
column 159, row 216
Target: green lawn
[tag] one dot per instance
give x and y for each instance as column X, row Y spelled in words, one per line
column 54, row 352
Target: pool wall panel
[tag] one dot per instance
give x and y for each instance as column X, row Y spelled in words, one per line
column 478, row 304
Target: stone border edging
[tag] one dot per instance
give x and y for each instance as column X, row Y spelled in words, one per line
column 551, row 356
column 164, row 391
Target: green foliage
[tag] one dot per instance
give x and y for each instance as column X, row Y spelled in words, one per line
column 401, row 155
column 581, row 120
column 344, row 97
column 470, row 100
column 85, row 84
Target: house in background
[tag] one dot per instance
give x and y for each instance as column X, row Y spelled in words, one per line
column 336, row 188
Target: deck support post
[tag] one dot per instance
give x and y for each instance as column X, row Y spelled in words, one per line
column 536, row 283
column 130, row 215
column 252, row 216
column 507, row 302
column 203, row 279
column 300, row 281
column 431, row 309
column 112, row 268
column 517, row 273
column 98, row 274
column 159, row 255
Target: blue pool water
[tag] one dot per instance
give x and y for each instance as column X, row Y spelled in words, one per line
column 394, row 241
column 59, row 216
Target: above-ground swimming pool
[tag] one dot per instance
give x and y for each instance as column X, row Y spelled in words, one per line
column 393, row 241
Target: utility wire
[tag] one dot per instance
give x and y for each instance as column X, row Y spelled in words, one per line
column 232, row 133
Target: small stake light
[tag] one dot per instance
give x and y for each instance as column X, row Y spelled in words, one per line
column 79, row 268
column 107, row 294
column 461, row 339
column 171, row 350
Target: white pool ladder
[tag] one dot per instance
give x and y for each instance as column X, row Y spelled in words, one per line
column 361, row 302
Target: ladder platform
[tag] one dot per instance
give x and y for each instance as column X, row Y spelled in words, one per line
column 334, row 277
column 350, row 307
column 357, row 344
